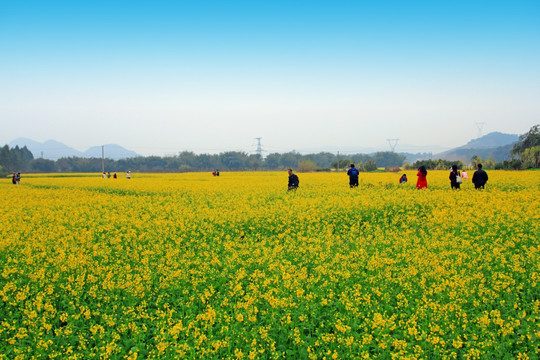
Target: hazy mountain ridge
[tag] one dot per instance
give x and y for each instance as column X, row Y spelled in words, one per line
column 54, row 150
column 494, row 145
column 112, row 151
column 500, row 153
column 491, row 140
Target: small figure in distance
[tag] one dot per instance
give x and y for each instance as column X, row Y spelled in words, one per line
column 422, row 181
column 115, row 176
column 128, row 174
column 455, row 178
column 109, row 175
column 403, row 179
column 104, row 175
column 16, row 178
column 214, row 173
column 353, row 176
column 217, row 172
column 479, row 178
column 294, row 182
column 464, row 175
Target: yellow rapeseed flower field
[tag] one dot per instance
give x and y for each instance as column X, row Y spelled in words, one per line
column 235, row 267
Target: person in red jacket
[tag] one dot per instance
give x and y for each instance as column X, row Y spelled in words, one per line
column 422, row 181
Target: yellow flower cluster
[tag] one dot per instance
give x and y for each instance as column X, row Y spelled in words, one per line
column 237, row 267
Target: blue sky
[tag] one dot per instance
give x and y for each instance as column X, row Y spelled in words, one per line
column 164, row 76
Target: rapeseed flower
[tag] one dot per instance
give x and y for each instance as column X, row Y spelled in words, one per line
column 191, row 266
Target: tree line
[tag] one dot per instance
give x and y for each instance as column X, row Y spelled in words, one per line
column 525, row 154
column 21, row 160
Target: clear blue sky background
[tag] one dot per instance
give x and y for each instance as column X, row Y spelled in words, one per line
column 158, row 77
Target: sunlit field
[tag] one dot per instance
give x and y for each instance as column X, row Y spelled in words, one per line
column 235, row 267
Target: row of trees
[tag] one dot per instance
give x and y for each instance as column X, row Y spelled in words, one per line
column 17, row 159
column 441, row 164
column 438, row 164
column 527, row 149
column 525, row 154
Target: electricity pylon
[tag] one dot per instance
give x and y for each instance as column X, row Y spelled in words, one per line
column 392, row 143
column 480, row 126
column 259, row 150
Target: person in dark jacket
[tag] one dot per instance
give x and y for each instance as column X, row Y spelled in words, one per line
column 353, row 176
column 479, row 178
column 294, row 182
column 454, row 176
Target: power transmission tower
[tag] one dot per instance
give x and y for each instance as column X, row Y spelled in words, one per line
column 392, row 143
column 259, row 150
column 480, row 126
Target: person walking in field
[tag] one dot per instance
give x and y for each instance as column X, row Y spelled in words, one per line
column 455, row 178
column 353, row 176
column 421, row 183
column 294, row 182
column 479, row 178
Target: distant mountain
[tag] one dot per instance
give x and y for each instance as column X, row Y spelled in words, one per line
column 500, row 153
column 50, row 149
column 494, row 145
column 491, row 140
column 54, row 150
column 112, row 151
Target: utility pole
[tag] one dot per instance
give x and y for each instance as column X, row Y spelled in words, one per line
column 102, row 158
